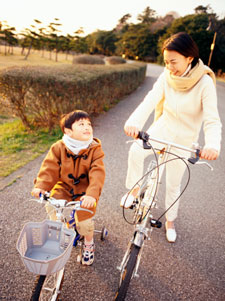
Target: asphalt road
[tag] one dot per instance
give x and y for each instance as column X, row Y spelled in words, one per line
column 191, row 269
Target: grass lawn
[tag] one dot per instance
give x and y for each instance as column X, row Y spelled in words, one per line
column 18, row 146
column 35, row 58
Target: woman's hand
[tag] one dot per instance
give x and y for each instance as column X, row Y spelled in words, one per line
column 36, row 192
column 87, row 201
column 209, row 154
column 131, row 131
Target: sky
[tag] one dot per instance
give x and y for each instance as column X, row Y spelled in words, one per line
column 93, row 14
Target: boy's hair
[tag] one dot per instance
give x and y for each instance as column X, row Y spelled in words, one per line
column 67, row 120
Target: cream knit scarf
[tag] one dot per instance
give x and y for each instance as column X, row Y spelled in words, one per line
column 183, row 84
column 75, row 146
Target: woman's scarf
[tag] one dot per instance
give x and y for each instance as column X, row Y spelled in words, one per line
column 75, row 146
column 185, row 83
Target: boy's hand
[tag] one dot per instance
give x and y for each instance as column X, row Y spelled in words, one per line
column 87, row 201
column 36, row 192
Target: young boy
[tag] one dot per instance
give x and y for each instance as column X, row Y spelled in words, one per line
column 73, row 170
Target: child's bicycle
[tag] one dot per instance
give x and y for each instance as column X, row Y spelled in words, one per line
column 45, row 247
column 144, row 203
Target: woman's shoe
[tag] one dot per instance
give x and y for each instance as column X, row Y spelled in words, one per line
column 171, row 234
column 127, row 201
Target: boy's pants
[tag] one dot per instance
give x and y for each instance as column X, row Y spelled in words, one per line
column 174, row 169
column 85, row 227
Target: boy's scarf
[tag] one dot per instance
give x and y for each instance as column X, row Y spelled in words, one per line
column 75, row 145
column 183, row 84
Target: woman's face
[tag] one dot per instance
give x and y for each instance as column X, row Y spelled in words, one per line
column 175, row 62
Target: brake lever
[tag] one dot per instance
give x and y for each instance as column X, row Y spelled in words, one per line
column 206, row 163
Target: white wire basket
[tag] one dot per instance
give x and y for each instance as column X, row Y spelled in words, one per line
column 45, row 246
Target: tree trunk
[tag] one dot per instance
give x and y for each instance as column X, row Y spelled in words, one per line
column 28, row 52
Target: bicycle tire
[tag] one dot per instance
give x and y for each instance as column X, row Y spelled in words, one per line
column 48, row 287
column 126, row 273
column 37, row 287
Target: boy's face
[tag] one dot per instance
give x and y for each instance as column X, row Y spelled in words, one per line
column 81, row 130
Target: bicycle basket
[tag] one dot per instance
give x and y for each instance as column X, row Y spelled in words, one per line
column 45, row 246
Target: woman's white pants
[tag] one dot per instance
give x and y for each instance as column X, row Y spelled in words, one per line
column 174, row 171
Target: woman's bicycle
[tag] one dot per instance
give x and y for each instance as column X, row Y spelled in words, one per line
column 145, row 201
column 45, row 247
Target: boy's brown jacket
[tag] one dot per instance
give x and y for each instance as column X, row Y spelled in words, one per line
column 69, row 176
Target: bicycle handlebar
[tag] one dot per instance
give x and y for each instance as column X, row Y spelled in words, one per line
column 196, row 150
column 60, row 203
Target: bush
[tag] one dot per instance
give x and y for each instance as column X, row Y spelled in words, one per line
column 115, row 60
column 39, row 95
column 88, row 59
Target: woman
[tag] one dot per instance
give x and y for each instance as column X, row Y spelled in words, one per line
column 184, row 97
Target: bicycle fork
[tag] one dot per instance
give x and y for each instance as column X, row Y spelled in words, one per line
column 141, row 233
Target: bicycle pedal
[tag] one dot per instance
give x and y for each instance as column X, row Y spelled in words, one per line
column 155, row 223
column 135, row 204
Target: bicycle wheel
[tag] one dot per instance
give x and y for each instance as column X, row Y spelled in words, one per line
column 127, row 273
column 37, row 288
column 48, row 287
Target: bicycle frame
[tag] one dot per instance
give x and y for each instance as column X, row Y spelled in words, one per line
column 142, row 228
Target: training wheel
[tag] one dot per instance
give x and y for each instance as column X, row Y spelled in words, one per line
column 104, row 233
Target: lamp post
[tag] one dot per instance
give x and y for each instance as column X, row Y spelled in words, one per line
column 212, row 48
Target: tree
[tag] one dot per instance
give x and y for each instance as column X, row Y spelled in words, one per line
column 31, row 37
column 54, row 38
column 217, row 30
column 102, row 42
column 123, row 20
column 148, row 16
column 203, row 9
column 78, row 44
column 139, row 42
column 7, row 35
column 105, row 42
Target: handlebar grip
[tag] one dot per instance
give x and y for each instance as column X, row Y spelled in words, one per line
column 143, row 136
column 44, row 196
column 195, row 159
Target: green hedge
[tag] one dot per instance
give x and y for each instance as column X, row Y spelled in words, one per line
column 114, row 60
column 39, row 95
column 88, row 59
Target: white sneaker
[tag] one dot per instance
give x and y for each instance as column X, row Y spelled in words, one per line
column 127, row 201
column 171, row 234
column 88, row 254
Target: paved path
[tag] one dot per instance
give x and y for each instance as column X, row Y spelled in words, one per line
column 191, row 269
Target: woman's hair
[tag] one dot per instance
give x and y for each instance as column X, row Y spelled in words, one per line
column 184, row 44
column 67, row 120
